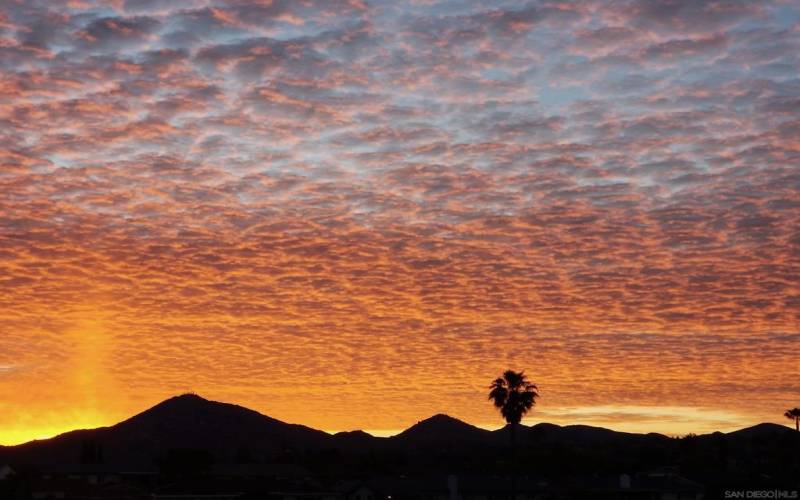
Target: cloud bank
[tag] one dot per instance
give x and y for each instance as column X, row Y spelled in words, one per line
column 271, row 201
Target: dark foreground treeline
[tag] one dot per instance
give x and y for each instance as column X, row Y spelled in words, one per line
column 191, row 448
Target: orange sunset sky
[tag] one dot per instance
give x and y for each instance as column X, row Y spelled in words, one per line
column 355, row 214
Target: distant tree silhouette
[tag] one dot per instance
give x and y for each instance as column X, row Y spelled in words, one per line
column 794, row 414
column 514, row 395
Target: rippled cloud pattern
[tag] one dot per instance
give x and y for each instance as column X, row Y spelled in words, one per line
column 356, row 213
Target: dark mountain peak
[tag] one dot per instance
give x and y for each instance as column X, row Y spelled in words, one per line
column 441, row 427
column 581, row 434
column 185, row 422
column 573, row 429
column 354, row 434
column 355, row 440
column 195, row 408
column 440, row 420
column 763, row 429
column 188, row 396
column 545, row 426
column 185, row 400
column 442, row 417
column 583, row 428
column 191, row 421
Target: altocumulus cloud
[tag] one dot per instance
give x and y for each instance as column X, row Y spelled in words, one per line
column 241, row 193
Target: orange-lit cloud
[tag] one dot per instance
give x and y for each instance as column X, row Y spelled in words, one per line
column 357, row 214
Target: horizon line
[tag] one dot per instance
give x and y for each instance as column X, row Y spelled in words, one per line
column 388, row 433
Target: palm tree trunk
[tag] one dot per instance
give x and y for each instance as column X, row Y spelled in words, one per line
column 513, row 461
column 797, row 424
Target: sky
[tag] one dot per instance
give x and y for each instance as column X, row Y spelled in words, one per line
column 356, row 214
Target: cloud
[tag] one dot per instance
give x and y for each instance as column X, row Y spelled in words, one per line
column 116, row 32
column 371, row 196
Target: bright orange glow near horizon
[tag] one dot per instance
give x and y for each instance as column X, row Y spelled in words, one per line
column 356, row 214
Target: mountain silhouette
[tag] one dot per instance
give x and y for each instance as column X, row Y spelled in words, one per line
column 354, row 441
column 187, row 419
column 442, row 429
column 182, row 422
column 765, row 430
column 579, row 434
column 229, row 433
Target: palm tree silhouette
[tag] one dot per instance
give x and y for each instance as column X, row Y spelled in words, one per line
column 514, row 395
column 794, row 414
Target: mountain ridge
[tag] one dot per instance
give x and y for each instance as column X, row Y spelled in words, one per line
column 226, row 430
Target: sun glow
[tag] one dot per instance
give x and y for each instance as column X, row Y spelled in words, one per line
column 670, row 420
column 31, row 426
column 75, row 390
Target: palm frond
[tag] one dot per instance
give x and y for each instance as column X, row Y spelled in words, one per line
column 514, row 395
